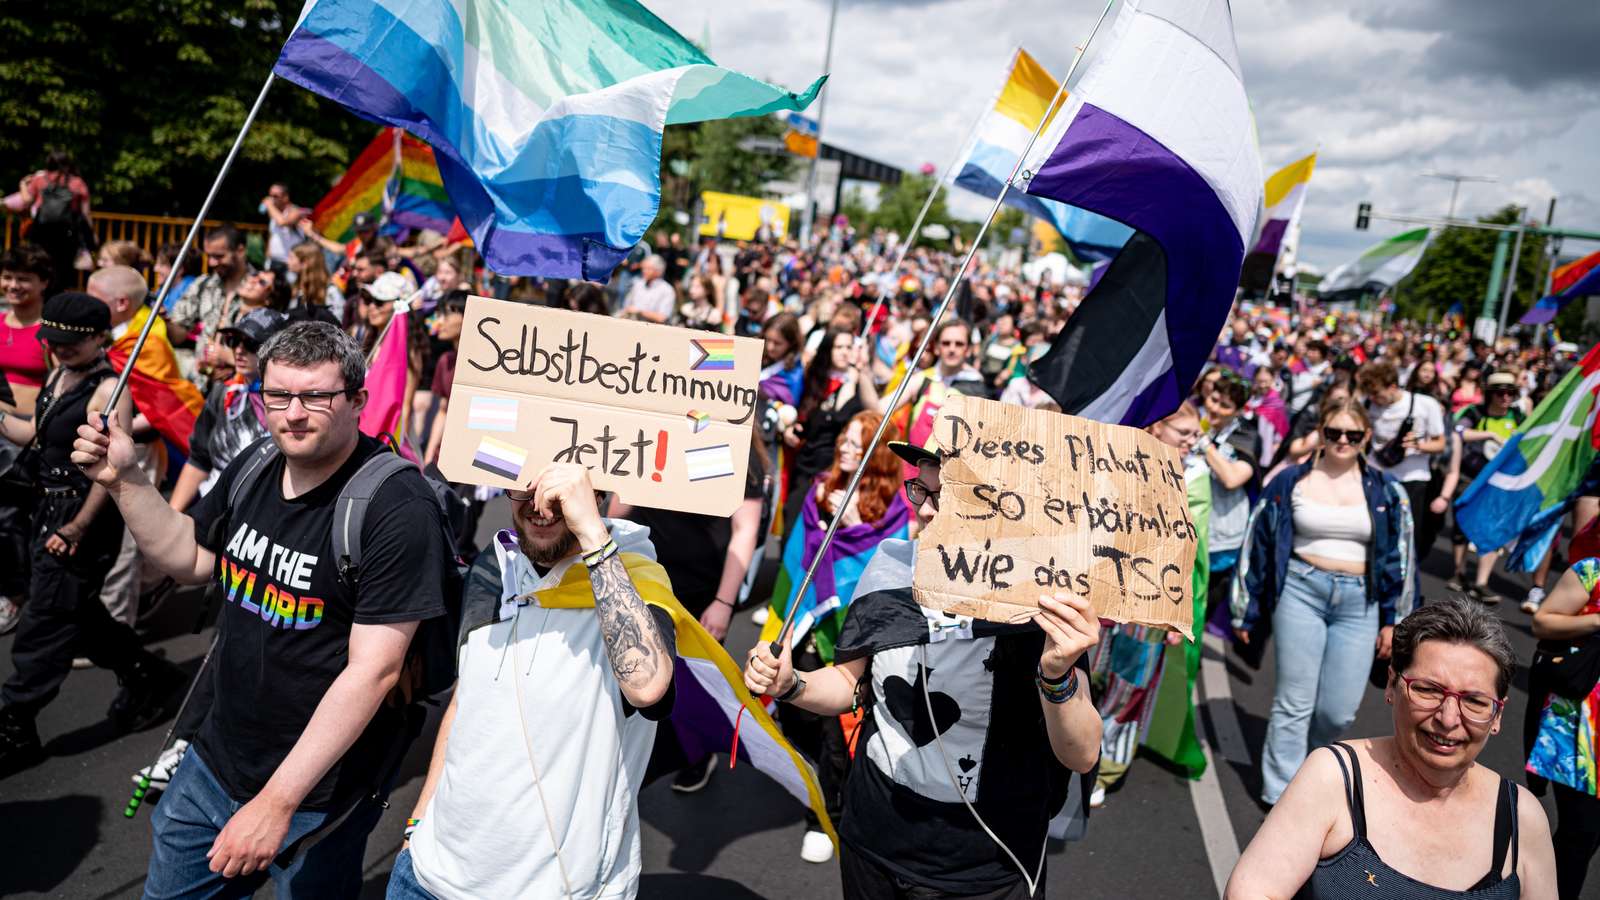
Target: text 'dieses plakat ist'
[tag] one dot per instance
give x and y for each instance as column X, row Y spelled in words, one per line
column 1036, row 502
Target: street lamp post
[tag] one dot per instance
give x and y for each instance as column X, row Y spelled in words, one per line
column 808, row 215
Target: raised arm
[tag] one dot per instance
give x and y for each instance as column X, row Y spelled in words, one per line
column 165, row 536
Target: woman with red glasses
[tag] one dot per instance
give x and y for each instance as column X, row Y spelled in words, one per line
column 1413, row 815
column 1326, row 563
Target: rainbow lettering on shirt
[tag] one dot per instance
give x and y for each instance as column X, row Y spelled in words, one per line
column 248, row 556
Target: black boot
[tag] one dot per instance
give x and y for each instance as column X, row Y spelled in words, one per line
column 149, row 694
column 19, row 742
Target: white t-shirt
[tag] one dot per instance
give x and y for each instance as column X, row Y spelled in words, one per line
column 485, row 831
column 1427, row 421
column 656, row 297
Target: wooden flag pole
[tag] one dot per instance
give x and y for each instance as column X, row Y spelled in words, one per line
column 183, row 252
column 938, row 314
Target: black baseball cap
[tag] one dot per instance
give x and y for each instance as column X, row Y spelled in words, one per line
column 258, row 325
column 71, row 316
column 913, row 454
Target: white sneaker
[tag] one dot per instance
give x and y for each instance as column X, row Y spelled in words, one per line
column 1535, row 597
column 1097, row 797
column 816, row 848
column 10, row 613
column 161, row 773
column 760, row 618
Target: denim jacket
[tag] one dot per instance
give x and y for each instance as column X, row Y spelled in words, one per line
column 1269, row 542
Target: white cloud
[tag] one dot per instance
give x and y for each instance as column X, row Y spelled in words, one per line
column 1383, row 92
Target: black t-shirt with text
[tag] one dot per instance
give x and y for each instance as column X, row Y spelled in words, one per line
column 284, row 630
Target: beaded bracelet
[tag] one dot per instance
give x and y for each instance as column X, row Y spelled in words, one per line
column 1059, row 691
column 411, row 825
column 601, row 555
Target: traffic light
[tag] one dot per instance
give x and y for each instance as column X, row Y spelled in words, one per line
column 1363, row 216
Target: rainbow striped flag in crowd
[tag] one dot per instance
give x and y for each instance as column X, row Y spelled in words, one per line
column 1579, row 278
column 395, row 180
column 1522, row 493
column 1000, row 137
column 1285, row 197
column 1158, row 136
column 545, row 116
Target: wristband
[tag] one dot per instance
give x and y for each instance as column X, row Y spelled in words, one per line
column 1061, row 690
column 727, row 603
column 599, row 556
column 411, row 826
column 793, row 691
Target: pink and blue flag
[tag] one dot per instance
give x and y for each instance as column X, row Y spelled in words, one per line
column 1157, row 135
column 545, row 116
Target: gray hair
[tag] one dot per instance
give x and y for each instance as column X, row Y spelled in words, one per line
column 306, row 344
column 1455, row 620
column 655, row 261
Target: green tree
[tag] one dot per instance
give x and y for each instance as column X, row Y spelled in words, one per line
column 148, row 97
column 899, row 204
column 1456, row 269
column 853, row 206
column 706, row 156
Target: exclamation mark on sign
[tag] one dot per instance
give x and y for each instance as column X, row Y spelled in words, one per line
column 661, row 455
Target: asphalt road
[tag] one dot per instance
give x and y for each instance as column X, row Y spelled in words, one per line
column 64, row 835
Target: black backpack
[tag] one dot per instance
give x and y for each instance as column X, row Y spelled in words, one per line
column 430, row 667
column 55, row 205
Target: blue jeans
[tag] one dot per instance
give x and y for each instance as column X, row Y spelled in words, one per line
column 403, row 880
column 191, row 814
column 1325, row 633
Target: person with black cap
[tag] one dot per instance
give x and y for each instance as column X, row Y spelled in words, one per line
column 969, row 727
column 77, row 533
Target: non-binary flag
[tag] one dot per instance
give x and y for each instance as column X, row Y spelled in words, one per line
column 1158, row 136
column 1579, row 278
column 1384, row 263
column 1284, row 198
column 1523, row 490
column 1000, row 137
column 545, row 116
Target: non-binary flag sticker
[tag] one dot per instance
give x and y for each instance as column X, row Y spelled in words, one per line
column 704, row 463
column 492, row 414
column 711, row 354
column 499, row 458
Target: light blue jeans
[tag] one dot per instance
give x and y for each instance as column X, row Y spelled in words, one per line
column 1324, row 632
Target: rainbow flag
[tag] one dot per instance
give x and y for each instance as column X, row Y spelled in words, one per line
column 395, row 179
column 711, row 354
column 1000, row 137
column 546, row 117
column 159, row 390
column 1579, row 278
column 1285, row 197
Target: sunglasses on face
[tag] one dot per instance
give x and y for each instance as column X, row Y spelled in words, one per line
column 1343, row 435
column 237, row 342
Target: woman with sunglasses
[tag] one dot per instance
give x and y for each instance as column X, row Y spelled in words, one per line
column 1326, row 563
column 1413, row 815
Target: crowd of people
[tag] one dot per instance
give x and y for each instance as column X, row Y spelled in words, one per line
column 1322, row 450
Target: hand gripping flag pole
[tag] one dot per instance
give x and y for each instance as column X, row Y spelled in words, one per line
column 938, row 315
column 183, row 253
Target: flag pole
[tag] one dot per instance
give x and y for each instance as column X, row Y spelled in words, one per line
column 183, row 251
column 938, row 315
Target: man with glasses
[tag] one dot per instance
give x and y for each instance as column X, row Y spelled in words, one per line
column 1484, row 428
column 931, row 797
column 952, row 346
column 300, row 740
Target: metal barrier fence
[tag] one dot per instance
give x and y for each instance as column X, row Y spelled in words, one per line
column 149, row 232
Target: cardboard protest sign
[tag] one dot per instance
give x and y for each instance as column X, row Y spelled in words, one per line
column 660, row 415
column 1036, row 502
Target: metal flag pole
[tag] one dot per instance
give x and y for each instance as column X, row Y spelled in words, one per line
column 183, row 251
column 808, row 219
column 938, row 315
column 1511, row 273
column 143, row 787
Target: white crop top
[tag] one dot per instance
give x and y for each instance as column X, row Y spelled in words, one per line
column 1331, row 532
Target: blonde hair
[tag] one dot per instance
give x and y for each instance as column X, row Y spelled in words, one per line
column 125, row 253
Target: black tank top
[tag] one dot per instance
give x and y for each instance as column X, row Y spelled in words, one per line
column 1357, row 869
column 57, row 427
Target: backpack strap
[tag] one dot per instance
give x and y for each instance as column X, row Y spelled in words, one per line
column 252, row 461
column 350, row 510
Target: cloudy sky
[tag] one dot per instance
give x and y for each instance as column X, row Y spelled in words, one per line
column 1385, row 91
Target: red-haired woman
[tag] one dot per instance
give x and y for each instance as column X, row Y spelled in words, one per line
column 875, row 513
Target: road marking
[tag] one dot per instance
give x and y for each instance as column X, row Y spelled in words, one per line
column 1216, row 828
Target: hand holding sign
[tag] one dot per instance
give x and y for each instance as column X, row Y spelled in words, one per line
column 660, row 415
column 1038, row 503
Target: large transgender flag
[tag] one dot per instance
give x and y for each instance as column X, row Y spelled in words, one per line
column 1157, row 135
column 1000, row 137
column 545, row 115
column 1285, row 197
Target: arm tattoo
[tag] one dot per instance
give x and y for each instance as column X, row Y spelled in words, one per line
column 633, row 641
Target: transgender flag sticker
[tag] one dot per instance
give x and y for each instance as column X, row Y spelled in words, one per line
column 499, row 458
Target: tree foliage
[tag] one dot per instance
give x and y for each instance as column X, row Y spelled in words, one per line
column 149, row 96
column 1456, row 269
column 899, row 204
